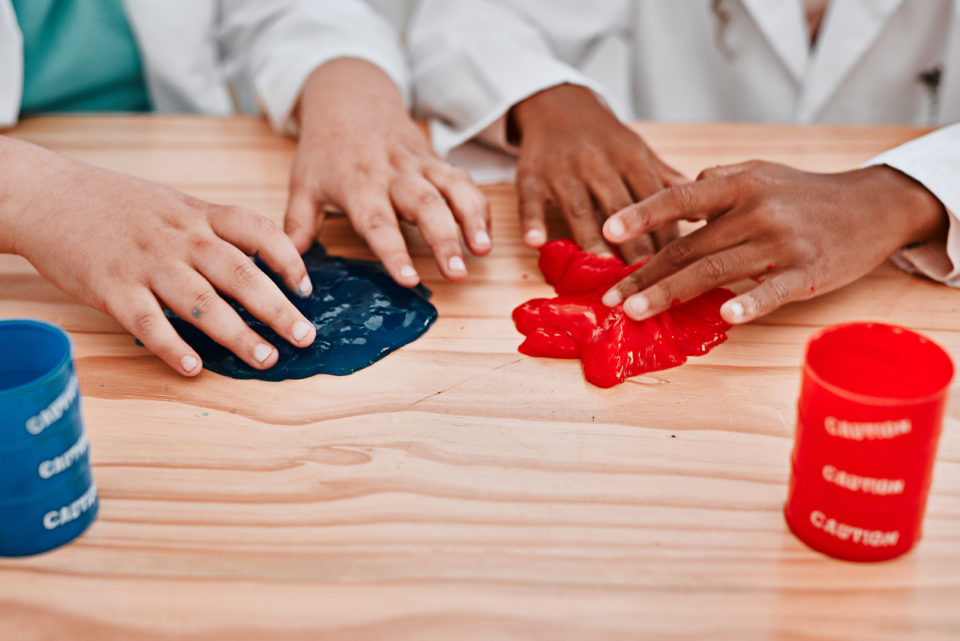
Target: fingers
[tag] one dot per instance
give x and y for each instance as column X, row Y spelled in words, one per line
column 772, row 293
column 374, row 218
column 232, row 273
column 693, row 201
column 666, row 235
column 256, row 235
column 578, row 210
column 139, row 313
column 193, row 299
column 303, row 218
column 469, row 205
column 612, row 196
column 701, row 276
column 642, row 180
column 419, row 201
column 533, row 194
column 720, row 235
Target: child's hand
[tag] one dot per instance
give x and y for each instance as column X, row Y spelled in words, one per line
column 127, row 247
column 575, row 154
column 798, row 234
column 360, row 153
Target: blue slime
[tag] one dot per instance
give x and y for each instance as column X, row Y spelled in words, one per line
column 360, row 313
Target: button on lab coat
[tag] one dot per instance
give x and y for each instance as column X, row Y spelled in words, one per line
column 194, row 50
column 875, row 61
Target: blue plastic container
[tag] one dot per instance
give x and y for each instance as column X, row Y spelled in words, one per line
column 43, row 522
column 47, row 495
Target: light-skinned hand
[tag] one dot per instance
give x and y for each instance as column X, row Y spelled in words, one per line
column 127, row 247
column 362, row 154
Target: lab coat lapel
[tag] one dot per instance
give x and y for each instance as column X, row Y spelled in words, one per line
column 849, row 30
column 11, row 65
column 784, row 28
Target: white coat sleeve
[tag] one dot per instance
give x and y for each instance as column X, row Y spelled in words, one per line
column 276, row 45
column 472, row 60
column 933, row 161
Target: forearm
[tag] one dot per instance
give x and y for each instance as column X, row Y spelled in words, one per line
column 23, row 165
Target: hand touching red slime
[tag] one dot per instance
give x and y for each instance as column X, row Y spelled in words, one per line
column 612, row 346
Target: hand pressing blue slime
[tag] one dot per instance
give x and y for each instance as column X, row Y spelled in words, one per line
column 360, row 313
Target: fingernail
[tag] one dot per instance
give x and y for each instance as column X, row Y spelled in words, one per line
column 300, row 330
column 481, row 239
column 262, row 352
column 189, row 363
column 614, row 229
column 456, row 264
column 636, row 306
column 305, row 288
column 407, row 271
column 735, row 310
column 535, row 237
column 612, row 298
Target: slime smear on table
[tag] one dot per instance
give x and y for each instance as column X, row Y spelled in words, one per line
column 611, row 346
column 360, row 314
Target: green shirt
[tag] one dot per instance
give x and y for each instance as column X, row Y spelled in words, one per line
column 79, row 55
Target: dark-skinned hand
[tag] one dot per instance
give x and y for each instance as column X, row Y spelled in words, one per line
column 797, row 234
column 575, row 155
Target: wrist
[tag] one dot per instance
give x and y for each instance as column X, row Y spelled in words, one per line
column 552, row 108
column 925, row 218
column 342, row 90
column 22, row 164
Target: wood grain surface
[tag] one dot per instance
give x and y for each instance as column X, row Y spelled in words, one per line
column 457, row 489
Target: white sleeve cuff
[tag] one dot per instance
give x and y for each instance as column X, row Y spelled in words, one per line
column 278, row 88
column 934, row 162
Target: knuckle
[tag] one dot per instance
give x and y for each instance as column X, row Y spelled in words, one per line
column 637, row 218
column 632, row 283
column 714, row 268
column 244, row 274
column 376, row 220
column 708, row 173
column 145, row 324
column 580, row 211
column 426, row 197
column 779, row 293
column 203, row 241
column 568, row 184
column 264, row 226
column 746, row 181
column 682, row 197
column 232, row 211
column 457, row 174
column 203, row 302
column 679, row 251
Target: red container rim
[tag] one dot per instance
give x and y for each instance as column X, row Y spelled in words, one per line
column 822, row 352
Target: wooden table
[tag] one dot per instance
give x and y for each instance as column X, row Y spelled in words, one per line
column 458, row 490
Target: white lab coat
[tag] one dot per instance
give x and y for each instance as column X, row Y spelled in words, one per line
column 193, row 51
column 473, row 59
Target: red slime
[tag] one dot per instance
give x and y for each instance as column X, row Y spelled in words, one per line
column 611, row 346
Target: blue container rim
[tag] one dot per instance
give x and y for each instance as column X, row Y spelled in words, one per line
column 52, row 330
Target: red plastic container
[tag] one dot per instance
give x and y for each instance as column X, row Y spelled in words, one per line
column 869, row 416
